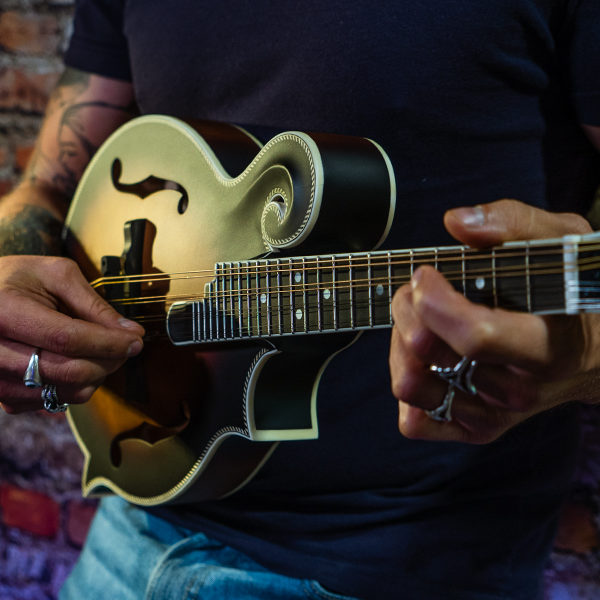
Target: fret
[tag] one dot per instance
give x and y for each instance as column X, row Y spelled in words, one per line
column 292, row 305
column 215, row 302
column 335, row 293
column 547, row 267
column 248, row 299
column 343, row 292
column 583, row 290
column 478, row 284
column 258, row 299
column 327, row 293
column 239, row 298
column 268, row 292
column 511, row 280
column 319, row 296
column 279, row 297
column 304, row 292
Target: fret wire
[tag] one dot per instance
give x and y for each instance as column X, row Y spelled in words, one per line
column 240, row 301
column 216, row 302
column 268, row 282
column 231, row 305
column 258, row 298
column 305, row 318
column 279, row 297
column 334, row 286
column 319, row 305
column 248, row 300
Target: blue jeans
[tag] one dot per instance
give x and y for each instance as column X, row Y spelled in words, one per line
column 132, row 555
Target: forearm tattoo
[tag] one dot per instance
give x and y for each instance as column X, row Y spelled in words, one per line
column 79, row 126
column 32, row 231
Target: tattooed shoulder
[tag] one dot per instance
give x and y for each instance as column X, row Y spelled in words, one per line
column 34, row 230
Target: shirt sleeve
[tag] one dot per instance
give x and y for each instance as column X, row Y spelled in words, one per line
column 98, row 44
column 584, row 62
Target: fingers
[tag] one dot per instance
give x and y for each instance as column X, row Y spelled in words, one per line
column 31, row 295
column 507, row 220
column 76, row 378
column 434, row 324
column 482, row 333
column 46, row 304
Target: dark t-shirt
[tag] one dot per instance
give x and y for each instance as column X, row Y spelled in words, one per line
column 473, row 101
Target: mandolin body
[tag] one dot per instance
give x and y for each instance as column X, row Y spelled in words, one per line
column 161, row 198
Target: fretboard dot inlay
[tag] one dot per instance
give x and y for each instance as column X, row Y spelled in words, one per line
column 298, row 314
column 480, row 283
column 326, row 294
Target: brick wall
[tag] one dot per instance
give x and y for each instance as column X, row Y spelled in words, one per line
column 33, row 35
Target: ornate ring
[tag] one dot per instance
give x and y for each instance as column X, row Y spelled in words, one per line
column 459, row 376
column 32, row 378
column 443, row 413
column 51, row 402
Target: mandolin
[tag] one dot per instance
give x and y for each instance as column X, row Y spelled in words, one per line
column 250, row 267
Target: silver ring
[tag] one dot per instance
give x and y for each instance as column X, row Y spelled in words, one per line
column 443, row 413
column 459, row 376
column 32, row 378
column 51, row 402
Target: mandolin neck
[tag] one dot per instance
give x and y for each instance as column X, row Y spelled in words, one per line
column 274, row 297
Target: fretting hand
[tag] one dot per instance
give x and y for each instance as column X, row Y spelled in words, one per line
column 525, row 363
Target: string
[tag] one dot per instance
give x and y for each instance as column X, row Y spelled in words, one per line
column 355, row 284
column 373, row 260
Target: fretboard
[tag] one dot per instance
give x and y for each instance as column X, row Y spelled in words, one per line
column 274, row 297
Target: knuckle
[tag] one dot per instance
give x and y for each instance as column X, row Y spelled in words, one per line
column 480, row 338
column 61, row 340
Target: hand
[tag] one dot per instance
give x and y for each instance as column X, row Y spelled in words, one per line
column 526, row 363
column 46, row 303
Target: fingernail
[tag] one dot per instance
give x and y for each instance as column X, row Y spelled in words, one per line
column 128, row 324
column 135, row 348
column 472, row 216
column 416, row 279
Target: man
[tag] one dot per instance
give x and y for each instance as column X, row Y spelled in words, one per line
column 473, row 102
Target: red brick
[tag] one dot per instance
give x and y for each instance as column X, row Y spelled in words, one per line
column 25, row 91
column 79, row 519
column 32, row 511
column 29, row 33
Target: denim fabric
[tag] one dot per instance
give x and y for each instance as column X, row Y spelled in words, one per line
column 132, row 555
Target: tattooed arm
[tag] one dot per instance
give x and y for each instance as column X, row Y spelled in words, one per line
column 45, row 302
column 82, row 112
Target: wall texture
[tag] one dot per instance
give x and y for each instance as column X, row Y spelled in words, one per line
column 43, row 519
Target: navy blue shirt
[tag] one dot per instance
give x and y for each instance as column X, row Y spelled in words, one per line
column 473, row 101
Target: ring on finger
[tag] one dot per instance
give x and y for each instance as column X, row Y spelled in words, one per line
column 51, row 402
column 32, row 378
column 459, row 376
column 443, row 413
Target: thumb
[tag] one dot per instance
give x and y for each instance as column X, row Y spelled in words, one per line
column 507, row 220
